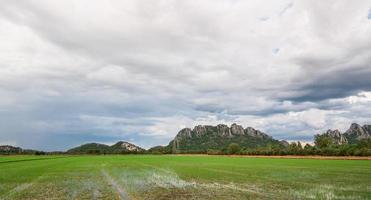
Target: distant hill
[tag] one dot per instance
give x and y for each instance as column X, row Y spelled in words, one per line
column 10, row 150
column 353, row 135
column 204, row 138
column 7, row 149
column 96, row 148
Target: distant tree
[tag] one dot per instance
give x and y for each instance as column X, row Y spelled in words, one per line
column 308, row 150
column 38, row 153
column 364, row 143
column 293, row 148
column 234, row 148
column 323, row 141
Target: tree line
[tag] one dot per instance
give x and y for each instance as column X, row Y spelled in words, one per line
column 323, row 146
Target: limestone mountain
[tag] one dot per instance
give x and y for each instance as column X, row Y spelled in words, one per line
column 357, row 132
column 353, row 135
column 96, row 148
column 202, row 138
column 7, row 149
column 336, row 136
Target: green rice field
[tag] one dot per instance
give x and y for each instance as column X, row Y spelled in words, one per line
column 181, row 177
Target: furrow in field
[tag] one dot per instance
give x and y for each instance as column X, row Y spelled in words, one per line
column 122, row 194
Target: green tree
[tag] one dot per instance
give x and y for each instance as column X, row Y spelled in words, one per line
column 234, row 148
column 294, row 148
column 364, row 143
column 323, row 141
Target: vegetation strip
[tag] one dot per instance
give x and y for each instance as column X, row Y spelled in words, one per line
column 285, row 157
column 122, row 194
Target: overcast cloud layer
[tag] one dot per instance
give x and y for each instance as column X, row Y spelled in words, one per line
column 82, row 71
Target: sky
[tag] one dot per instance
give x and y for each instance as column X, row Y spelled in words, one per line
column 82, row 71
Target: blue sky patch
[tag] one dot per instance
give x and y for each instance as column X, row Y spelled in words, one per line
column 275, row 50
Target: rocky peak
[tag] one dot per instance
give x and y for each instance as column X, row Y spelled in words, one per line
column 358, row 131
column 336, row 136
column 199, row 130
column 333, row 133
column 128, row 146
column 355, row 126
column 367, row 128
column 223, row 130
column 355, row 133
column 220, row 129
column 237, row 129
column 255, row 133
column 185, row 132
column 250, row 131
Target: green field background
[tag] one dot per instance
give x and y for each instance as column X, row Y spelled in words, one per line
column 181, row 177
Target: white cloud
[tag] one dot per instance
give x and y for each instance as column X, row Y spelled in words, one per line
column 287, row 67
column 362, row 97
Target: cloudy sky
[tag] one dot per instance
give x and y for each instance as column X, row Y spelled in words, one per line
column 140, row 70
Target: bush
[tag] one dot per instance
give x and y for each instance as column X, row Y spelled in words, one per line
column 234, row 148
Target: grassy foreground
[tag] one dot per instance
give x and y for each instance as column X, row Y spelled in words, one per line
column 182, row 177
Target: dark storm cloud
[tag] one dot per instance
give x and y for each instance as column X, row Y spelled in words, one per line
column 335, row 84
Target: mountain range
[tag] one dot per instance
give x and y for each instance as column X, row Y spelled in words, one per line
column 8, row 149
column 355, row 133
column 203, row 138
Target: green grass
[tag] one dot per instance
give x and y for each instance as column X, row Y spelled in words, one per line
column 181, row 177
